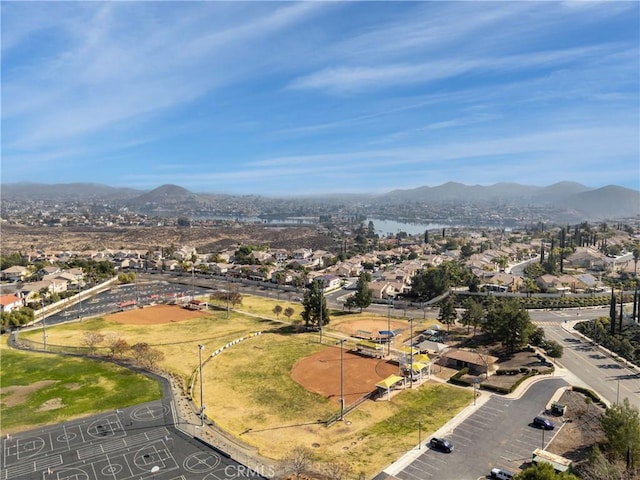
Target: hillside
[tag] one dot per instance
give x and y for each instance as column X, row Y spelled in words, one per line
column 569, row 201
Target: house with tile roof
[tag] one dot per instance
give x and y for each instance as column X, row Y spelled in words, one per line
column 9, row 303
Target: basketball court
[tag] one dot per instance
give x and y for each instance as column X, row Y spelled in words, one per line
column 136, row 443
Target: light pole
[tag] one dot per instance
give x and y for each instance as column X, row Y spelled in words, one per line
column 389, row 326
column 193, row 282
column 228, row 287
column 342, row 379
column 44, row 328
column 200, row 348
column 321, row 322
column 411, row 353
column 476, row 381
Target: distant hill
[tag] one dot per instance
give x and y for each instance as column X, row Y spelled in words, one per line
column 568, row 200
column 500, row 192
column 606, row 202
column 63, row 192
column 164, row 194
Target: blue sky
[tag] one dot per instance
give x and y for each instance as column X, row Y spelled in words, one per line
column 290, row 98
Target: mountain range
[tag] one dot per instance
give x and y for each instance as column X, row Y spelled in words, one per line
column 610, row 202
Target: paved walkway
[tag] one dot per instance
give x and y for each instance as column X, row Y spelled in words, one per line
column 188, row 420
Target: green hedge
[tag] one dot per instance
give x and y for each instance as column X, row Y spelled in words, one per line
column 589, row 393
column 495, row 388
column 457, row 377
column 524, row 377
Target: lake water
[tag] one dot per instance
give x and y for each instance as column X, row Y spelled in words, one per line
column 386, row 227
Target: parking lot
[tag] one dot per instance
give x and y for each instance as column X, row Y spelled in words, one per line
column 499, row 433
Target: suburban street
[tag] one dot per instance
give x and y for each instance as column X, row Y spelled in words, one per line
column 611, row 380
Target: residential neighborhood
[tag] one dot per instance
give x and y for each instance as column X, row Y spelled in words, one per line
column 499, row 261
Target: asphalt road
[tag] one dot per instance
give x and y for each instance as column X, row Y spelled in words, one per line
column 497, row 434
column 612, row 380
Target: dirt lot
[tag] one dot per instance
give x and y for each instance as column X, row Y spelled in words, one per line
column 581, row 427
column 206, row 239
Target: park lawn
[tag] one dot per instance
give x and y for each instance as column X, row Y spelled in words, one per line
column 42, row 389
column 275, row 414
column 263, row 306
column 256, row 374
column 178, row 341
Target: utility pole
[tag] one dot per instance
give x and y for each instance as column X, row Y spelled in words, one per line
column 228, row 287
column 321, row 322
column 200, row 348
column 389, row 327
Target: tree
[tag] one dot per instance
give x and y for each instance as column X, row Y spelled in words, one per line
column 621, row 425
column 537, row 337
column 364, row 294
column 554, row 349
column 509, row 323
column 139, row 350
column 636, row 258
column 448, row 313
column 116, row 344
column 337, row 469
column 612, row 313
column 434, row 281
column 91, row 340
column 599, row 467
column 315, row 306
column 350, row 302
column 543, row 471
column 473, row 315
column 145, row 355
column 298, row 461
column 288, row 312
column 183, row 222
column 235, row 298
column 277, row 310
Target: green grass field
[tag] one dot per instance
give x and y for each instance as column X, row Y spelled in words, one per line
column 73, row 386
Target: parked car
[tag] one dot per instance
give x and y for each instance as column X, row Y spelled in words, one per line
column 441, row 444
column 501, row 474
column 543, row 423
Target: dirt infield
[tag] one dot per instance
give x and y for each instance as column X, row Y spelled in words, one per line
column 320, row 373
column 373, row 325
column 156, row 314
